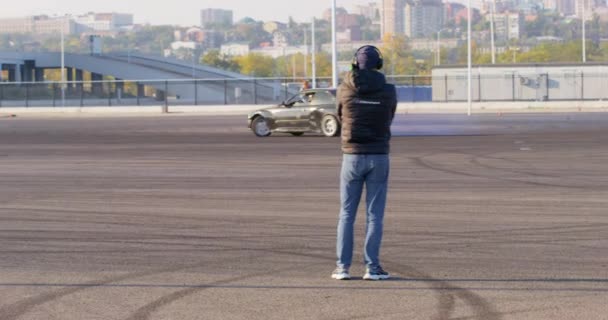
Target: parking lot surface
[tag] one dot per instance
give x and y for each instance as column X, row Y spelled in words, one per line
column 193, row 217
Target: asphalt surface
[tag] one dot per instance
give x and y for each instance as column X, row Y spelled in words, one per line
column 182, row 217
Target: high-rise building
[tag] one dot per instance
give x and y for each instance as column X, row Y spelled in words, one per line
column 423, row 18
column 370, row 11
column 550, row 5
column 588, row 9
column 508, row 26
column 107, row 22
column 103, row 21
column 38, row 25
column 565, row 7
column 216, row 17
column 392, row 17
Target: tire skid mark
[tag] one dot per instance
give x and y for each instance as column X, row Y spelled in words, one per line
column 577, row 228
column 446, row 298
column 476, row 161
column 494, row 233
column 448, row 294
column 147, row 310
column 500, row 237
column 172, row 218
column 446, row 305
column 147, row 216
column 155, row 240
column 19, row 308
column 429, row 165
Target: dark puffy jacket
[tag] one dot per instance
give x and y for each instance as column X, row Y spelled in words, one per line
column 366, row 107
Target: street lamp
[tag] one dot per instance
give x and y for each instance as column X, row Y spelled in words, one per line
column 514, row 50
column 314, row 57
column 193, row 63
column 469, row 61
column 334, row 55
column 63, row 85
column 438, row 51
column 583, row 20
column 305, row 52
column 492, row 11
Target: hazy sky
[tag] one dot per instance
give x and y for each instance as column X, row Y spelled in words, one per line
column 183, row 12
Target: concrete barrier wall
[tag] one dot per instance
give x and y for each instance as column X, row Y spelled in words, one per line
column 403, row 108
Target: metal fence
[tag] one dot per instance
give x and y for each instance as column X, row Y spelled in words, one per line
column 262, row 91
column 150, row 92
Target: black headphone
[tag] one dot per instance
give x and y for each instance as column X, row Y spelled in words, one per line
column 355, row 63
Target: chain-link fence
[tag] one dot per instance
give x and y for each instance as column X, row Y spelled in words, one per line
column 511, row 87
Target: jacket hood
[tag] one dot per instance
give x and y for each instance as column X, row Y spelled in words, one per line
column 365, row 81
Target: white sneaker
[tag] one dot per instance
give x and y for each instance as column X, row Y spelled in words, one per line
column 376, row 274
column 340, row 274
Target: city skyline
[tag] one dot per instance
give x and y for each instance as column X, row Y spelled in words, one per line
column 181, row 12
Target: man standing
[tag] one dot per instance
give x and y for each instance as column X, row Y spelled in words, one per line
column 366, row 107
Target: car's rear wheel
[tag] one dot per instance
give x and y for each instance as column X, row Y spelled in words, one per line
column 330, row 127
column 260, row 127
column 297, row 134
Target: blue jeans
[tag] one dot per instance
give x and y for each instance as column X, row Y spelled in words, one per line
column 372, row 171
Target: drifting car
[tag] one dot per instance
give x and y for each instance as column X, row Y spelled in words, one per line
column 309, row 111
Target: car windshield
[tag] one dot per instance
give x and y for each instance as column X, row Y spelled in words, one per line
column 313, row 97
column 300, row 97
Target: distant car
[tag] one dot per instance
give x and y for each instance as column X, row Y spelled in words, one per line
column 312, row 110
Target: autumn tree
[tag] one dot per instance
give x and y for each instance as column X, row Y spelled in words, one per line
column 398, row 58
column 256, row 64
column 214, row 58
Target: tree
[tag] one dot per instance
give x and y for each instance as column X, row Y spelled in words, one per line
column 256, row 64
column 323, row 64
column 215, row 59
column 398, row 58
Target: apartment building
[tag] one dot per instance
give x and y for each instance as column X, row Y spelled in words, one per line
column 423, row 18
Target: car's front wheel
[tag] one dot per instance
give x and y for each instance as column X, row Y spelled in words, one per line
column 260, row 127
column 330, row 127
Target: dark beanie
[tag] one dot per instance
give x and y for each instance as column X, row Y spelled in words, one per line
column 368, row 58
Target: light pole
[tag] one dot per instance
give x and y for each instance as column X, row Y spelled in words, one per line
column 314, row 56
column 438, row 51
column 492, row 31
column 293, row 67
column 469, row 61
column 584, row 46
column 514, row 50
column 305, row 52
column 63, row 62
column 193, row 71
column 334, row 55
